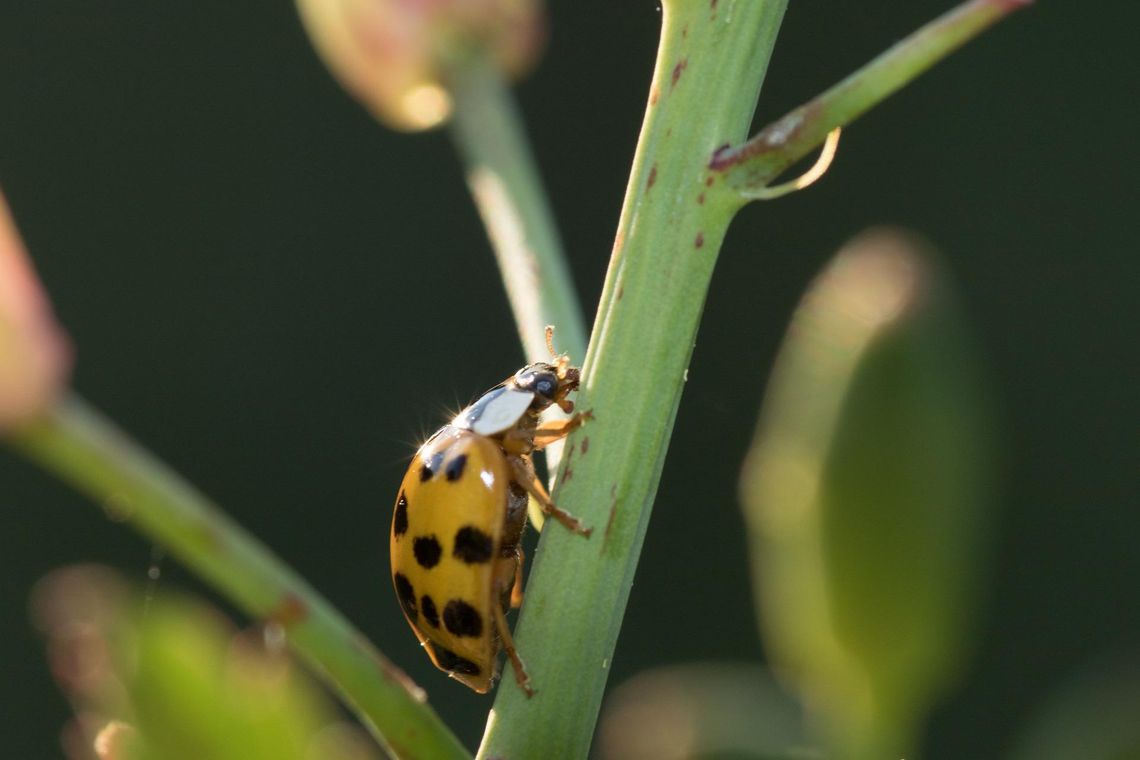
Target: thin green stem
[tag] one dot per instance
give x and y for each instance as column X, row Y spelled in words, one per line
column 85, row 449
column 752, row 165
column 501, row 173
column 710, row 64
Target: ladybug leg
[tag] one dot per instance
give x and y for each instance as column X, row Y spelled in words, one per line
column 555, row 430
column 517, row 587
column 521, row 675
column 525, row 477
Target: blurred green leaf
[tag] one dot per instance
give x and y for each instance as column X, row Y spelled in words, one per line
column 168, row 677
column 866, row 494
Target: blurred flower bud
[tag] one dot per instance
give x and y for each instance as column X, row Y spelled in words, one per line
column 393, row 55
column 35, row 355
column 867, row 495
column 117, row 741
column 701, row 710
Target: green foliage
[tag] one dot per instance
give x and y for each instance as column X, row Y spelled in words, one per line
column 175, row 680
column 867, row 491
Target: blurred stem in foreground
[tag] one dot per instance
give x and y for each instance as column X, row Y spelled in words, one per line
column 83, row 448
column 867, row 494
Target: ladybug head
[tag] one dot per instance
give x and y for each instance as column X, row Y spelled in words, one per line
column 549, row 382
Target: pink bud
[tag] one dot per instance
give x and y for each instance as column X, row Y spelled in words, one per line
column 35, row 354
column 393, row 55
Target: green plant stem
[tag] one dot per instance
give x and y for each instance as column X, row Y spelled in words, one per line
column 85, row 449
column 709, row 68
column 754, row 164
column 501, row 173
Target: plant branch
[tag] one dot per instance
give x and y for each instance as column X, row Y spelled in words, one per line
column 750, row 167
column 710, row 64
column 85, row 449
column 501, row 173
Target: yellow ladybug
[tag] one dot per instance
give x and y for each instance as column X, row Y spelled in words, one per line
column 461, row 510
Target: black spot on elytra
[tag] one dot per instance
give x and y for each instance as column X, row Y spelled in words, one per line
column 455, row 467
column 472, row 545
column 407, row 596
column 427, row 551
column 400, row 519
column 427, row 607
column 431, row 466
column 462, row 619
column 449, row 660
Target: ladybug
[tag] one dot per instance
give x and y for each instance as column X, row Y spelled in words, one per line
column 460, row 513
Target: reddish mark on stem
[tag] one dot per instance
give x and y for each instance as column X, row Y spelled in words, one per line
column 709, row 182
column 790, row 137
column 289, row 611
column 718, row 157
column 585, row 445
column 568, row 470
column 699, row 240
column 652, row 177
column 679, row 69
column 613, row 514
column 653, row 95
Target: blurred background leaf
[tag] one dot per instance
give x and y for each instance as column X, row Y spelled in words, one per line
column 702, row 710
column 868, row 493
column 166, row 676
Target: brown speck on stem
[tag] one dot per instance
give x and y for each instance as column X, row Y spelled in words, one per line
column 585, row 445
column 653, row 95
column 613, row 514
column 701, row 199
column 699, row 240
column 289, row 611
column 709, row 182
column 679, row 69
column 621, row 291
column 652, row 177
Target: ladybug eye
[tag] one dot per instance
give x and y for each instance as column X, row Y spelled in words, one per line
column 539, row 380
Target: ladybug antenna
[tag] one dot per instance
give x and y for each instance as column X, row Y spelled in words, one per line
column 550, row 341
column 561, row 361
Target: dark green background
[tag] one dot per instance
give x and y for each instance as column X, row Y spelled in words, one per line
column 281, row 298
